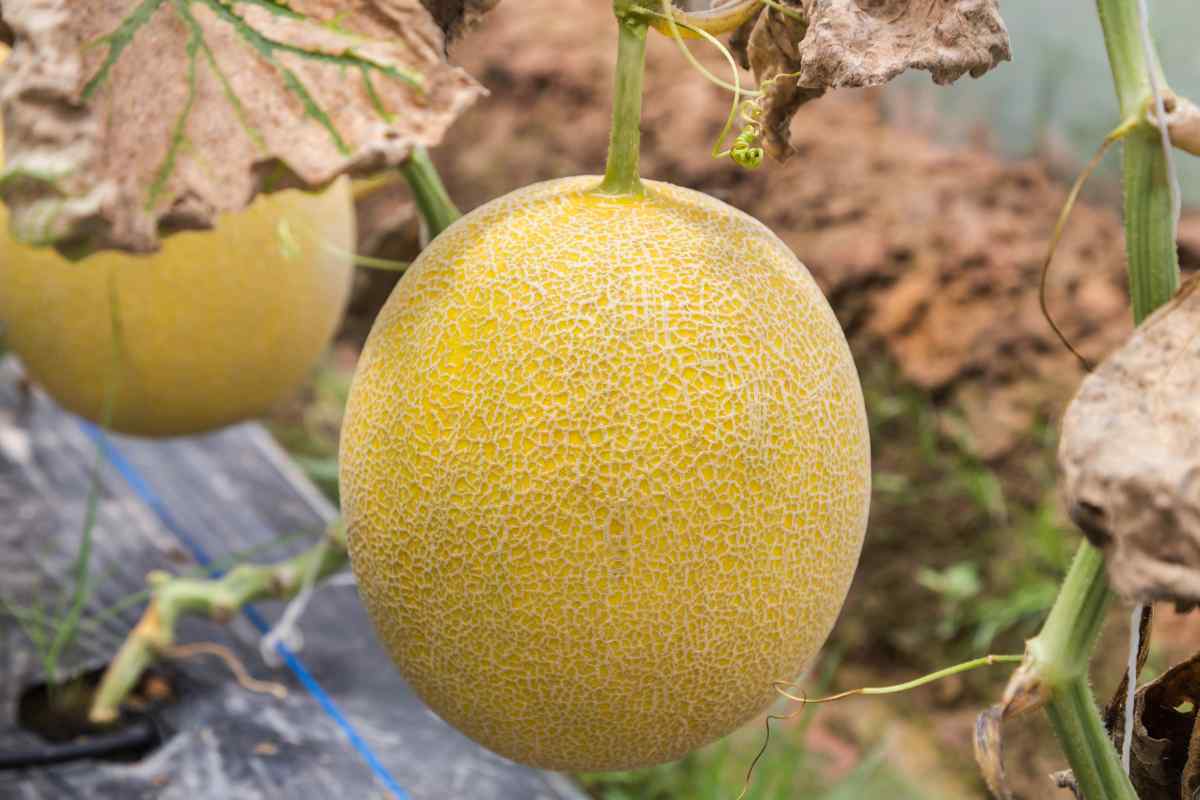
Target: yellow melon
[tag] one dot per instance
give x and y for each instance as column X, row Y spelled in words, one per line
column 214, row 328
column 606, row 473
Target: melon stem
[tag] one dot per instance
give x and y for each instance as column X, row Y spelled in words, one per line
column 429, row 193
column 624, row 148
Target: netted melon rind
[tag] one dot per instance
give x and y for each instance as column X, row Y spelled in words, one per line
column 606, row 472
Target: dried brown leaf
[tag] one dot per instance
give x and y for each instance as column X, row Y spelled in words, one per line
column 1130, row 456
column 832, row 44
column 1189, row 781
column 1025, row 693
column 457, row 16
column 775, row 58
column 989, row 751
column 739, row 41
column 1165, row 763
column 127, row 117
column 854, row 43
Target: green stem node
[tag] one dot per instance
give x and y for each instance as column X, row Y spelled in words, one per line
column 1063, row 648
column 1060, row 656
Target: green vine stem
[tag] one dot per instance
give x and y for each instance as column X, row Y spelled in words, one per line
column 1126, row 57
column 1149, row 224
column 1060, row 654
column 432, row 199
column 220, row 599
column 624, row 148
column 1059, row 659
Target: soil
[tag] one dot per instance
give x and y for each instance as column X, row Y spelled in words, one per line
column 931, row 257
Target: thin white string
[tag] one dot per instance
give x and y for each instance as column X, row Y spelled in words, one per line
column 287, row 631
column 1135, row 644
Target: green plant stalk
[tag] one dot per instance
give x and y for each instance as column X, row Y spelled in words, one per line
column 624, row 148
column 1060, row 656
column 1094, row 761
column 1149, row 227
column 432, row 199
column 1126, row 57
column 67, row 629
column 1062, row 651
column 219, row 599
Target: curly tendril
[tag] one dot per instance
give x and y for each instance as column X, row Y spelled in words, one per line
column 746, row 151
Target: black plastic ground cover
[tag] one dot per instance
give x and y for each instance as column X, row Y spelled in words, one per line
column 349, row 728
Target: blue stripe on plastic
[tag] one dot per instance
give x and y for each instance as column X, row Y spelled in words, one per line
column 148, row 496
column 142, row 489
column 322, row 697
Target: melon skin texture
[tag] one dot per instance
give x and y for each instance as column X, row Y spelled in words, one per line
column 606, row 473
column 215, row 327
